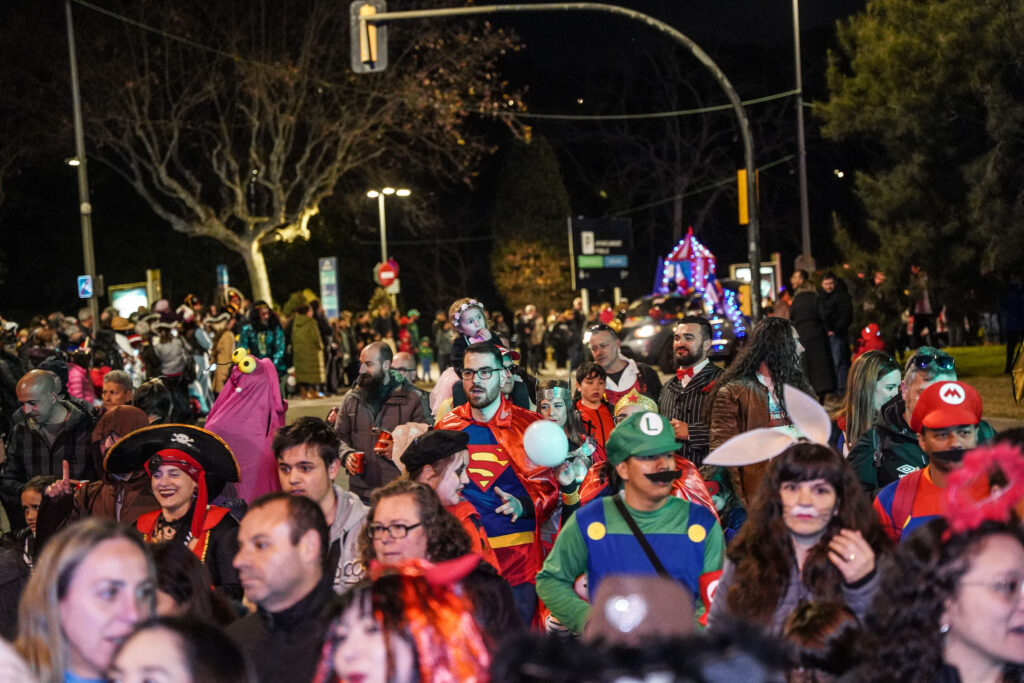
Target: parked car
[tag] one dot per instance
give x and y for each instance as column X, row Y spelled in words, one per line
column 647, row 330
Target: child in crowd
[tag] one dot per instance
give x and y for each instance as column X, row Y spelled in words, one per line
column 469, row 318
column 426, row 354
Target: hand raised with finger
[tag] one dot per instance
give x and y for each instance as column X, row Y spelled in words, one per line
column 511, row 505
column 61, row 486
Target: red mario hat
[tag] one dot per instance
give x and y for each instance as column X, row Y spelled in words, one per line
column 946, row 404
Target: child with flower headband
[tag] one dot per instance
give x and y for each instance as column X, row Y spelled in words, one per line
column 469, row 318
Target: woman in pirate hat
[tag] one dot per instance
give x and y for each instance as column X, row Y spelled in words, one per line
column 187, row 465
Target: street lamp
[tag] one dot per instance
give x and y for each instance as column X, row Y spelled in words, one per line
column 379, row 196
column 805, row 213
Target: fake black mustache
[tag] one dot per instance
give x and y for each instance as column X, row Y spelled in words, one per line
column 666, row 477
column 953, row 457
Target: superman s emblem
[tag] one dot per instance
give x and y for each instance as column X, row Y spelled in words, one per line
column 486, row 463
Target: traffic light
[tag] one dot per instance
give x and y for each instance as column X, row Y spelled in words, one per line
column 368, row 48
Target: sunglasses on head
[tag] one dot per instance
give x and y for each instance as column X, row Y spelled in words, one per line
column 942, row 361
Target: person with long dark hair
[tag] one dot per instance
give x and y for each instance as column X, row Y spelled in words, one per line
column 952, row 607
column 182, row 650
column 748, row 394
column 811, row 535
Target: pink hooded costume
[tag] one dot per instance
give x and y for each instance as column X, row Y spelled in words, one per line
column 246, row 415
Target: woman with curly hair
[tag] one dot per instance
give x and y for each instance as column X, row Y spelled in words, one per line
column 407, row 521
column 951, row 609
column 811, row 535
column 748, row 394
column 874, row 379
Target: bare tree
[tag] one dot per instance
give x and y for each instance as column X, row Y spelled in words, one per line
column 234, row 120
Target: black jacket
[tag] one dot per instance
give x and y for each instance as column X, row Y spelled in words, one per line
column 285, row 646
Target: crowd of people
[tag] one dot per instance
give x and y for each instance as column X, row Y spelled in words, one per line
column 717, row 526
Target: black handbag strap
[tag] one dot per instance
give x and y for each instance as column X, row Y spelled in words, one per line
column 641, row 539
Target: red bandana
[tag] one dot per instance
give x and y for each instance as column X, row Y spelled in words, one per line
column 187, row 464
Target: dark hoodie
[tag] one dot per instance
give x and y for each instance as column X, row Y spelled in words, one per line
column 889, row 450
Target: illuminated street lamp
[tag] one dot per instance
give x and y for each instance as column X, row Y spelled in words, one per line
column 379, row 196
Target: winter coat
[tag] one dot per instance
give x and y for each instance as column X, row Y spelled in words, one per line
column 356, row 417
column 307, row 351
column 223, row 347
column 806, row 315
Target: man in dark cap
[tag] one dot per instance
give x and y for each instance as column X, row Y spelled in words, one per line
column 439, row 459
column 642, row 530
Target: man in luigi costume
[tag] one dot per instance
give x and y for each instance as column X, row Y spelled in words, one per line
column 683, row 540
column 187, row 466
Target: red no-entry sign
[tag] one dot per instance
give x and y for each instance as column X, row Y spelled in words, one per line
column 385, row 273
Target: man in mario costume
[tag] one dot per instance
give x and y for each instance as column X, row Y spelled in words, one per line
column 945, row 420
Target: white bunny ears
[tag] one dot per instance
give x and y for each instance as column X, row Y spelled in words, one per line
column 758, row 445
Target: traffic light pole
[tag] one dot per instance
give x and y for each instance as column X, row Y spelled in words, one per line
column 753, row 227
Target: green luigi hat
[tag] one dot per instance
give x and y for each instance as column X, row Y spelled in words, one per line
column 641, row 434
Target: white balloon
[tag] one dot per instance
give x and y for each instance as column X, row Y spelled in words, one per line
column 545, row 444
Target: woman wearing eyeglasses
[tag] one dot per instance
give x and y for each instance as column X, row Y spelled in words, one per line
column 952, row 607
column 407, row 521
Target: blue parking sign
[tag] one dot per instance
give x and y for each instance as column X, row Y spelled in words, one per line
column 85, row 286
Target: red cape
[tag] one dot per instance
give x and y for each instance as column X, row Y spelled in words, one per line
column 507, row 426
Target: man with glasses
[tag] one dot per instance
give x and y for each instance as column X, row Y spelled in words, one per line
column 513, row 496
column 622, row 374
column 890, row 450
column 381, row 400
column 945, row 419
column 683, row 397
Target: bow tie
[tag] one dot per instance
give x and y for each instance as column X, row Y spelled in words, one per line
column 684, row 372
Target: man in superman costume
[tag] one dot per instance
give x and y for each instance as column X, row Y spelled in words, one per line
column 512, row 495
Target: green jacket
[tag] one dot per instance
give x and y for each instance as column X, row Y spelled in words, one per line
column 889, row 450
column 307, row 351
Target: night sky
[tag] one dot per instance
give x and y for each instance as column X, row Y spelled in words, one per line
column 40, row 242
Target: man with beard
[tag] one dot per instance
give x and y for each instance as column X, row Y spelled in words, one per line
column 380, row 401
column 945, row 419
column 644, row 529
column 512, row 495
column 682, row 398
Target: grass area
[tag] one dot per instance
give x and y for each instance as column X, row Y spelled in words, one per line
column 982, row 368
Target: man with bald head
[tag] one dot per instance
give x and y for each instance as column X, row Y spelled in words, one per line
column 381, row 399
column 53, row 431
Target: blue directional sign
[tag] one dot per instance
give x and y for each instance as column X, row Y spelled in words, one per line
column 85, row 286
column 328, row 268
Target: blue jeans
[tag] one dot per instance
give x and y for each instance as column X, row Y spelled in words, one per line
column 525, row 595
